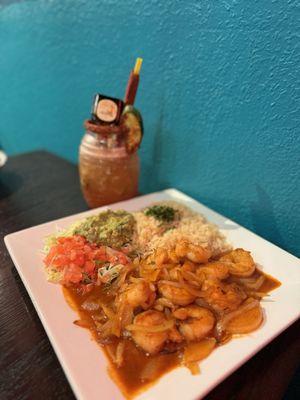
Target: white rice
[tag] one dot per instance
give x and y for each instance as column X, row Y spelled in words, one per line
column 191, row 226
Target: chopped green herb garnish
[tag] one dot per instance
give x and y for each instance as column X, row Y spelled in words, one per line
column 162, row 213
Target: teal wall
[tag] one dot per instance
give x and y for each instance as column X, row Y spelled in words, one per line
column 219, row 94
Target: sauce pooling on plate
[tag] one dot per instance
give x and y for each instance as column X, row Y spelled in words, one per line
column 139, row 370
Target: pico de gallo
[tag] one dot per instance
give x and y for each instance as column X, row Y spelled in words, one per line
column 82, row 263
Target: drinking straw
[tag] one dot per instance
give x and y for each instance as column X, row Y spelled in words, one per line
column 133, row 82
column 138, row 65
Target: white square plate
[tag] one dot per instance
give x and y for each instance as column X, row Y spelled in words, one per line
column 82, row 359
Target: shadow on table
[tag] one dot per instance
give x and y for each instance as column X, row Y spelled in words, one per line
column 10, row 182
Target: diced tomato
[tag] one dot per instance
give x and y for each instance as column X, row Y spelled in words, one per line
column 76, row 257
column 73, row 255
column 101, row 253
column 73, row 274
column 79, row 260
column 60, row 261
column 89, row 267
column 87, row 248
column 122, row 258
column 115, row 256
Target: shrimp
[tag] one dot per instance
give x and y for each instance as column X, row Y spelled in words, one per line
column 173, row 273
column 189, row 266
column 196, row 323
column 176, row 294
column 175, row 336
column 150, row 342
column 161, row 257
column 221, row 296
column 194, row 253
column 139, row 294
column 215, row 269
column 240, row 263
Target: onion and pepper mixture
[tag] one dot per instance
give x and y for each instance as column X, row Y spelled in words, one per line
column 156, row 308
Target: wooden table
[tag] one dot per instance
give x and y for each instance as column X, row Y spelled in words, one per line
column 39, row 187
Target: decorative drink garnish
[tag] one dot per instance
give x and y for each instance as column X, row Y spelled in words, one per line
column 132, row 120
column 106, row 109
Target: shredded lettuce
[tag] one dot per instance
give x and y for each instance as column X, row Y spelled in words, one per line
column 51, row 240
column 53, row 275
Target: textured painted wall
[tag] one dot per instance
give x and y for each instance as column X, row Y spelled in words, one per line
column 219, row 94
